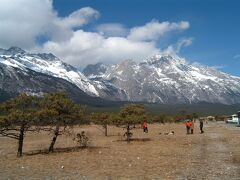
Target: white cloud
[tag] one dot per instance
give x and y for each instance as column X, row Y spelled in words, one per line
column 61, row 29
column 78, row 18
column 176, row 48
column 237, row 56
column 87, row 47
column 218, row 67
column 184, row 43
column 22, row 21
column 112, row 29
column 153, row 30
column 104, row 46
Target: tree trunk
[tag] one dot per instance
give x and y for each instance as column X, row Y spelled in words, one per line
column 105, row 128
column 54, row 139
column 128, row 134
column 20, row 141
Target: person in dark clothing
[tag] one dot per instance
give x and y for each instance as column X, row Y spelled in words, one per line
column 201, row 126
column 192, row 126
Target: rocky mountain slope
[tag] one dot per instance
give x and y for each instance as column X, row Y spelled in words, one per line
column 35, row 74
column 167, row 79
column 47, row 64
column 164, row 79
column 14, row 81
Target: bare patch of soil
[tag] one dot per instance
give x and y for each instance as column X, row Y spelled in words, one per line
column 212, row 155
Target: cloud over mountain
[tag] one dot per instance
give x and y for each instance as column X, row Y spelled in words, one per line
column 112, row 29
column 22, row 22
column 153, row 30
column 36, row 25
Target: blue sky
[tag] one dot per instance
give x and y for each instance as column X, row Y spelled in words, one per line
column 214, row 24
column 208, row 30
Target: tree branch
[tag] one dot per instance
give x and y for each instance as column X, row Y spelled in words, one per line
column 10, row 135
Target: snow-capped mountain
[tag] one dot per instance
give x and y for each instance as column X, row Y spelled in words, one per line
column 47, row 64
column 166, row 79
column 162, row 79
column 14, row 81
column 106, row 89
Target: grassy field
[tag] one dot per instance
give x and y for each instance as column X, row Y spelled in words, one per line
column 212, row 155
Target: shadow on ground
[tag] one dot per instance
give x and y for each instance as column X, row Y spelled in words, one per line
column 136, row 139
column 63, row 150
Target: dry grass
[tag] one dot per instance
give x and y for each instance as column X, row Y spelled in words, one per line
column 212, row 155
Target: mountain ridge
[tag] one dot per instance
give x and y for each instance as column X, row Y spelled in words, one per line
column 14, row 81
column 48, row 64
column 167, row 79
column 162, row 78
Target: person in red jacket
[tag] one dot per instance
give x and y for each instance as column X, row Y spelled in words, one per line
column 188, row 125
column 145, row 127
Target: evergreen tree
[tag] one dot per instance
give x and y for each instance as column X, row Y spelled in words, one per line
column 60, row 113
column 17, row 117
column 129, row 117
column 102, row 118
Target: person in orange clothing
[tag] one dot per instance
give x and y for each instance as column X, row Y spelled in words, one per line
column 145, row 127
column 188, row 125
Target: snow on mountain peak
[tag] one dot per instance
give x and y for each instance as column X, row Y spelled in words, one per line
column 162, row 78
column 48, row 56
column 165, row 78
column 15, row 50
column 95, row 69
column 47, row 64
column 165, row 58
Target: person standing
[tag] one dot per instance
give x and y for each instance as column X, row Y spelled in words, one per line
column 188, row 124
column 201, row 126
column 145, row 127
column 192, row 126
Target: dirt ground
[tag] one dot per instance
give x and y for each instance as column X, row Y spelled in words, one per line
column 212, row 155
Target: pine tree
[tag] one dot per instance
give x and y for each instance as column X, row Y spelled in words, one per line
column 103, row 119
column 59, row 113
column 129, row 117
column 17, row 117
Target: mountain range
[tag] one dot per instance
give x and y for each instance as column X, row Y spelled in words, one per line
column 166, row 79
column 163, row 79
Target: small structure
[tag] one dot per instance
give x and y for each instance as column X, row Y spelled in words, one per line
column 234, row 119
column 210, row 118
